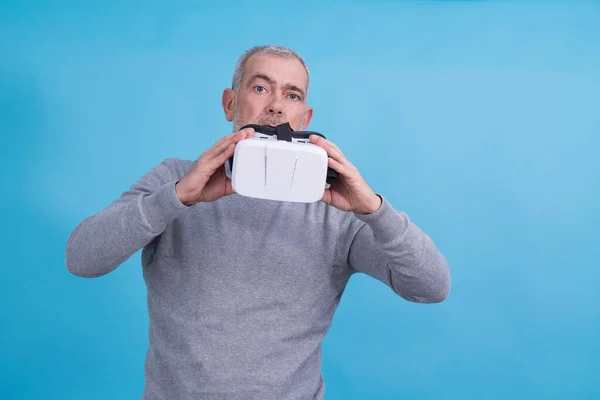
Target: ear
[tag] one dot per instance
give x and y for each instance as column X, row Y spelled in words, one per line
column 228, row 102
column 307, row 116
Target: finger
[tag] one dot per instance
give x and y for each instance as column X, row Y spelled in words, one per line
column 240, row 135
column 218, row 148
column 223, row 144
column 249, row 132
column 331, row 149
column 220, row 159
column 334, row 146
column 345, row 169
column 245, row 133
column 222, row 150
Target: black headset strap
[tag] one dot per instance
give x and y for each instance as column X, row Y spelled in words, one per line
column 283, row 131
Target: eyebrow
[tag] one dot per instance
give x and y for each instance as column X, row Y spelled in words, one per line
column 270, row 80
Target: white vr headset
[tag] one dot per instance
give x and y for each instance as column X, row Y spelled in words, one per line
column 280, row 164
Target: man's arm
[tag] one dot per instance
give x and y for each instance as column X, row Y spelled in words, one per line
column 103, row 241
column 392, row 249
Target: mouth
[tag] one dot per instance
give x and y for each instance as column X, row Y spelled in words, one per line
column 271, row 123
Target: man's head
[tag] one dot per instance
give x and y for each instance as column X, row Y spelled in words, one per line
column 270, row 87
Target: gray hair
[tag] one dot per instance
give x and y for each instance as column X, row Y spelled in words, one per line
column 278, row 50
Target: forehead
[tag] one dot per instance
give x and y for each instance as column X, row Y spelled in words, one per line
column 283, row 70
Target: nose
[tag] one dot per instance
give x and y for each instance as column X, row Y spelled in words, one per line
column 275, row 108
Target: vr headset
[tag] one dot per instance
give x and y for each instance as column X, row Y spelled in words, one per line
column 280, row 164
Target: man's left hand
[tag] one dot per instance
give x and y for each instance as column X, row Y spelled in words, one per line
column 350, row 192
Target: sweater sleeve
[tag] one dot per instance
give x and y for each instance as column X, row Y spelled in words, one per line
column 105, row 240
column 388, row 246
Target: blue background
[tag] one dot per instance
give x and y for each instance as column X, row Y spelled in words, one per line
column 479, row 119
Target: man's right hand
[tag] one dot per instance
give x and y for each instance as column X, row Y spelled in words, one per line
column 206, row 180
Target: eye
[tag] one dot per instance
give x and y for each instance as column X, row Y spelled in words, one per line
column 259, row 89
column 294, row 96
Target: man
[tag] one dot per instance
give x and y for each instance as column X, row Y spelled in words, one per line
column 242, row 291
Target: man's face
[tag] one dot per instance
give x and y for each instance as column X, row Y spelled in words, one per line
column 273, row 91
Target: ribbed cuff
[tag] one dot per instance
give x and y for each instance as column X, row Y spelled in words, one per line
column 162, row 207
column 386, row 223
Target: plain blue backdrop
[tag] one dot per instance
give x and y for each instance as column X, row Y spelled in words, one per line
column 479, row 119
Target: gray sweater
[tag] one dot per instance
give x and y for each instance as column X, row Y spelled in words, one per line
column 242, row 291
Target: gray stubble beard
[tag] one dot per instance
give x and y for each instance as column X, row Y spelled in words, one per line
column 237, row 122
